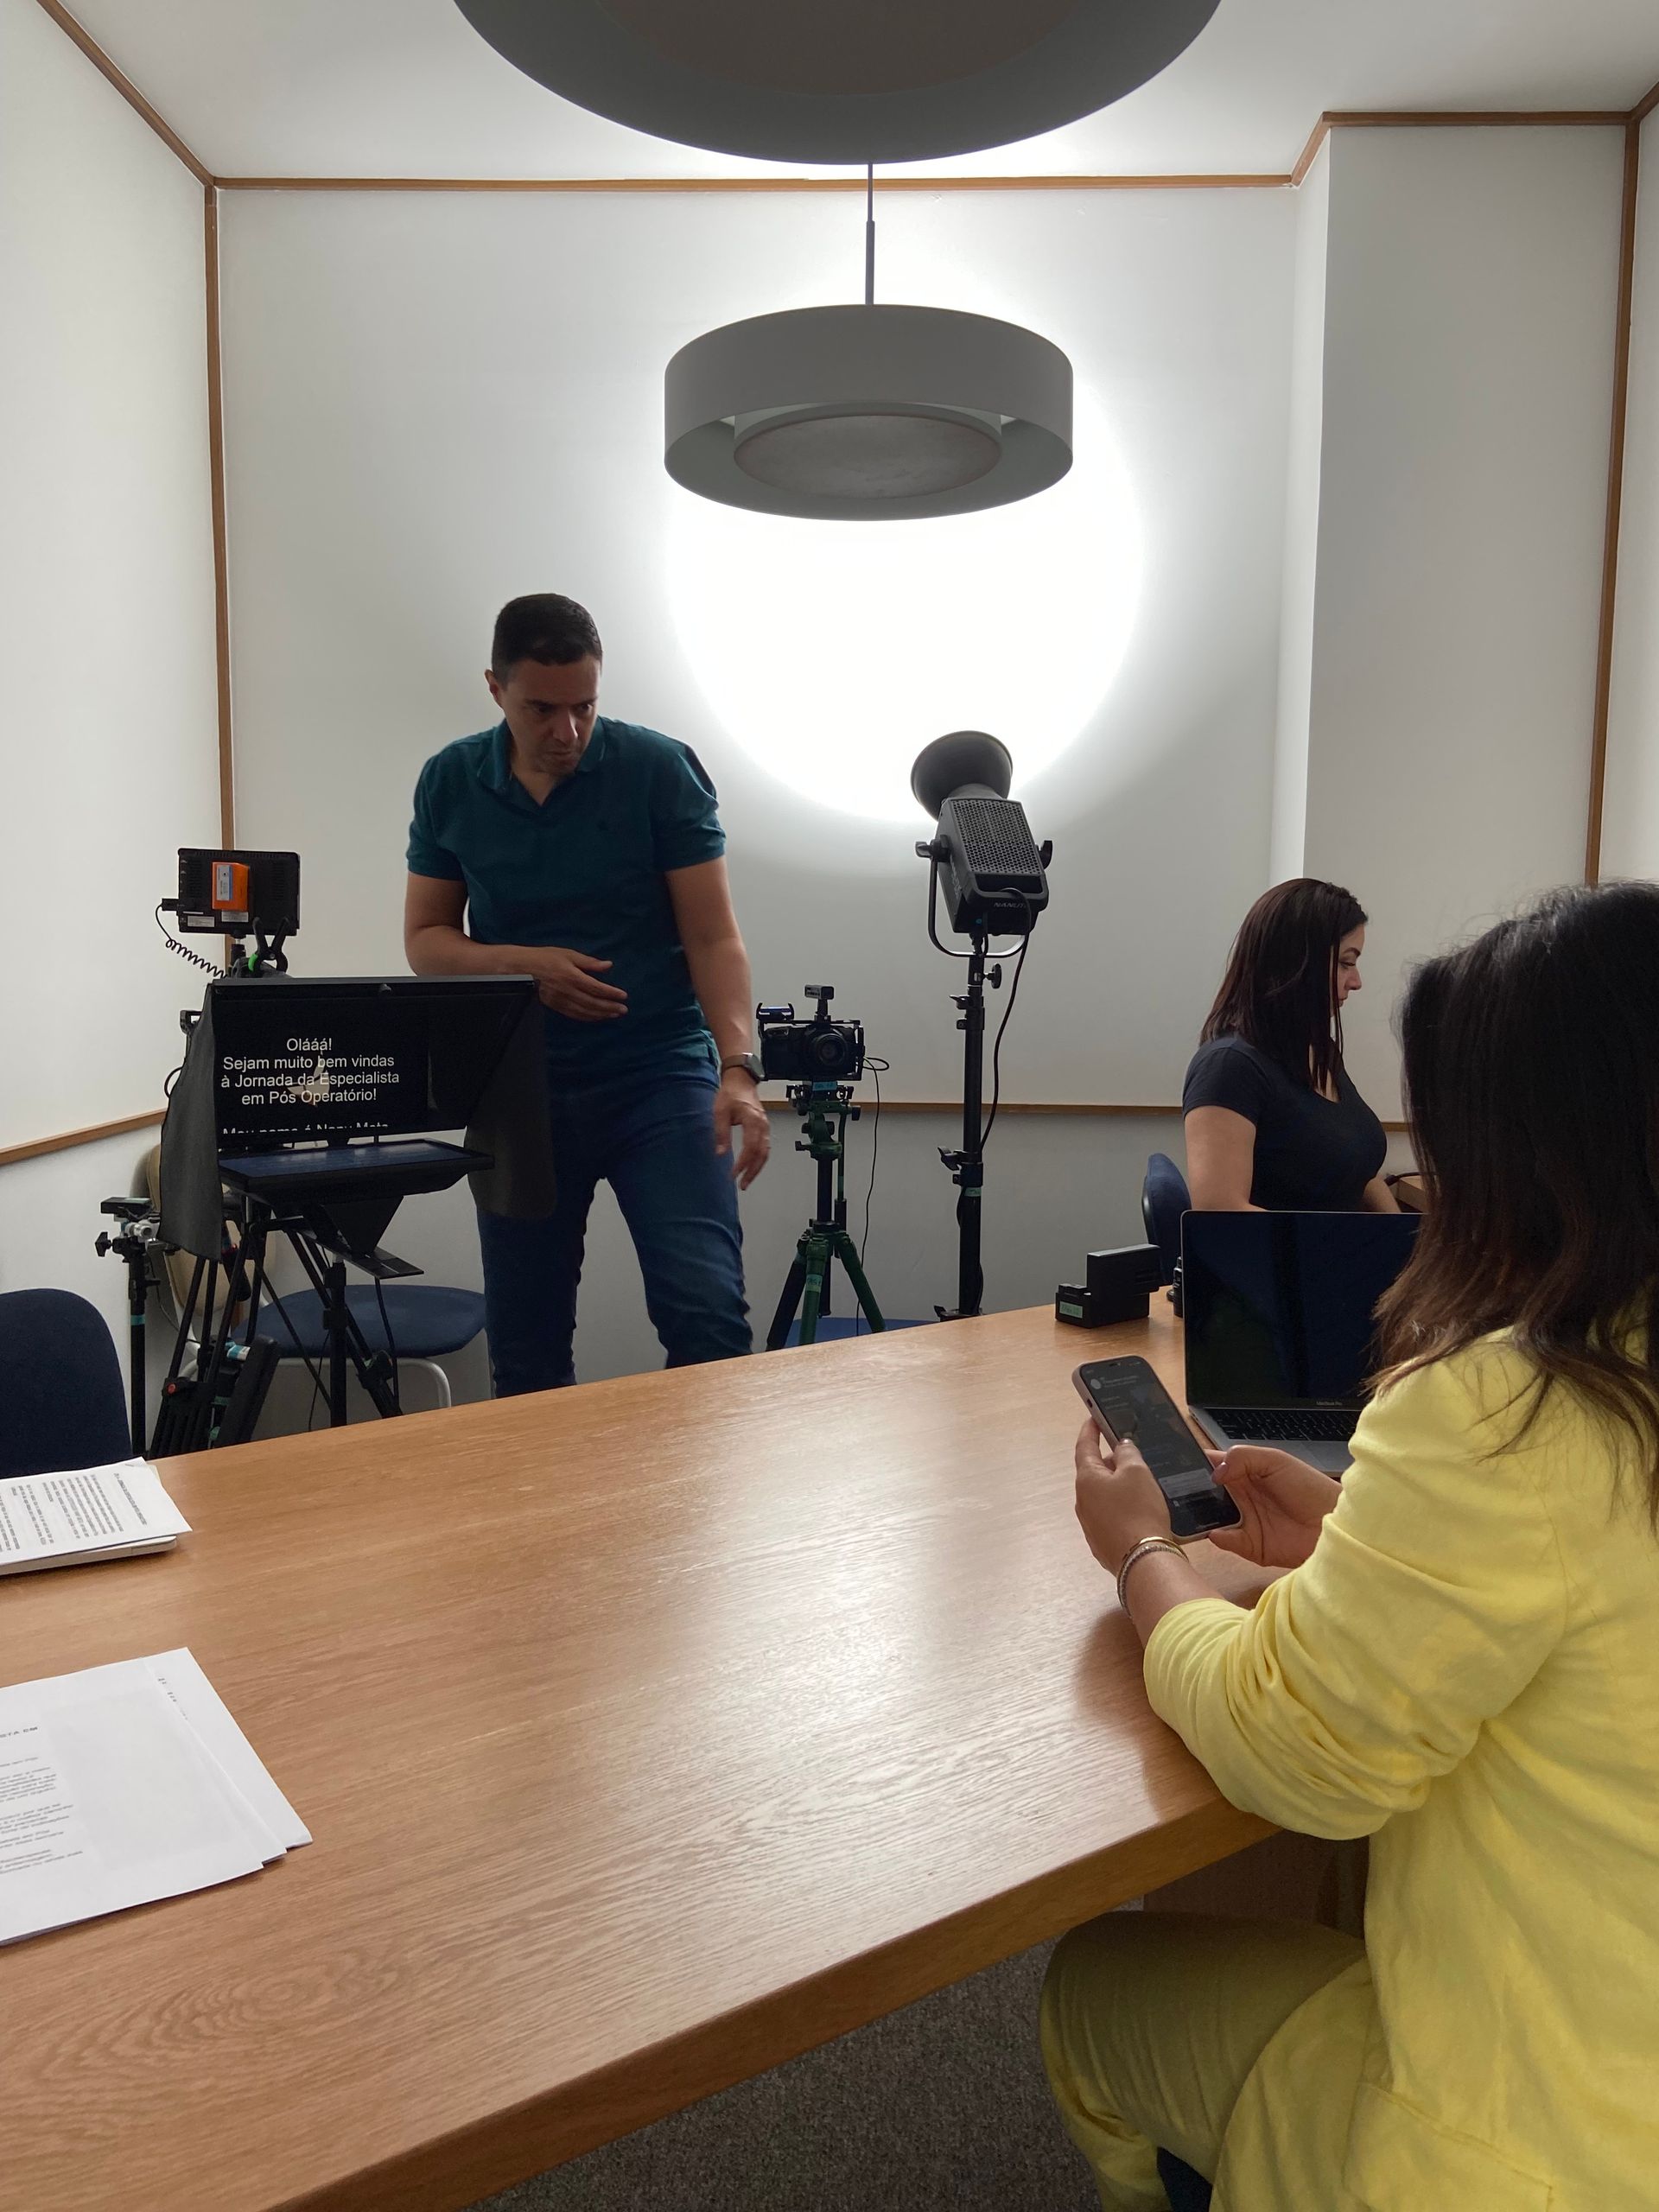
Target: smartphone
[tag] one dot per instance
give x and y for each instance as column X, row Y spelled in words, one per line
column 1128, row 1402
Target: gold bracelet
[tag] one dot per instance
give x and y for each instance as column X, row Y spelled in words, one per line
column 1137, row 1551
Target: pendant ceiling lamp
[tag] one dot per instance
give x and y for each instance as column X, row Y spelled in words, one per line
column 857, row 81
column 868, row 414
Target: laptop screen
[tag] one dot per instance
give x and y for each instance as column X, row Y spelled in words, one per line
column 1279, row 1307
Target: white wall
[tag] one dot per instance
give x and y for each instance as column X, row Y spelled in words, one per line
column 49, row 1223
column 436, row 402
column 1287, row 854
column 1629, row 844
column 108, row 757
column 433, row 405
column 108, row 752
column 1469, row 321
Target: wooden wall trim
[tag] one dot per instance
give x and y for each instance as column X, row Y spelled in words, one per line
column 221, row 547
column 123, row 85
column 1333, row 119
column 1615, row 500
column 1449, row 119
column 1473, row 118
column 11, row 1155
column 1309, row 155
column 1344, row 118
column 1244, row 182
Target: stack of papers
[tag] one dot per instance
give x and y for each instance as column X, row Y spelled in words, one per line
column 122, row 1785
column 95, row 1513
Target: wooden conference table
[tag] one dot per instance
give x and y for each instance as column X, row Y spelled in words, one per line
column 650, row 1734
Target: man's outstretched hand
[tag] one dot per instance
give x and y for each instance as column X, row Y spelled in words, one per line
column 738, row 1108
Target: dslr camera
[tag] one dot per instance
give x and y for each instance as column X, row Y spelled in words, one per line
column 818, row 1050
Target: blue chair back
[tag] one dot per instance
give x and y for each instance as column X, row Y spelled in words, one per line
column 62, row 1403
column 1164, row 1198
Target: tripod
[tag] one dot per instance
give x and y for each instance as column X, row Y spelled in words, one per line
column 825, row 1109
column 314, row 1240
column 221, row 1403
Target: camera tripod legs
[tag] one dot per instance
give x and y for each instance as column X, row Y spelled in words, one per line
column 820, row 1247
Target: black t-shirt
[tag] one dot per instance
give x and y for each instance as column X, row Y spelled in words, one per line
column 1312, row 1154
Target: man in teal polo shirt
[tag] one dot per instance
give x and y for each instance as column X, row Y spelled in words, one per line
column 588, row 853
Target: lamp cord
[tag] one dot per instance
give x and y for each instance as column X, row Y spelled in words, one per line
column 878, row 1069
column 996, row 1048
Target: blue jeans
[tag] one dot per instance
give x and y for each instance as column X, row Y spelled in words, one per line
column 652, row 1142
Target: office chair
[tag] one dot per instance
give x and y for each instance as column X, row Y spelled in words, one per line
column 1187, row 2191
column 428, row 1320
column 63, row 1402
column 1164, row 1198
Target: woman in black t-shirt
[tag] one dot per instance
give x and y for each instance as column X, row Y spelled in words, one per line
column 1273, row 1121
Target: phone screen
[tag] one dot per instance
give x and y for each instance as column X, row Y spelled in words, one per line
column 1133, row 1404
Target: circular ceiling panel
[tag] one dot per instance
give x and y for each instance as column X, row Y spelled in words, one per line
column 867, row 414
column 858, row 46
column 878, row 454
column 866, row 80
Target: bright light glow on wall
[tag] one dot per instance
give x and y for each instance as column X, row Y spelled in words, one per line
column 833, row 651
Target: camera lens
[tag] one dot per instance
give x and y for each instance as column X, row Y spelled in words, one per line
column 826, row 1050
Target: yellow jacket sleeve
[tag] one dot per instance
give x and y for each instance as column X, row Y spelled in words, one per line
column 1433, row 1596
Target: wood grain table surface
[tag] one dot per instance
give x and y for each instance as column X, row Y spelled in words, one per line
column 650, row 1732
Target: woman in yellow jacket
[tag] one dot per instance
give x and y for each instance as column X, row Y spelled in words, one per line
column 1462, row 1663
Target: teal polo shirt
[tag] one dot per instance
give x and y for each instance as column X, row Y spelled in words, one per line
column 585, row 868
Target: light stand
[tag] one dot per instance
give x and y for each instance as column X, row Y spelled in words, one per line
column 967, row 1161
column 997, row 883
column 132, row 1242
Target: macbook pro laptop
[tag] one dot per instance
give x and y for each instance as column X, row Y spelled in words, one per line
column 1280, row 1328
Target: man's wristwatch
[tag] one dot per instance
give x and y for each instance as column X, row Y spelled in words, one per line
column 749, row 1062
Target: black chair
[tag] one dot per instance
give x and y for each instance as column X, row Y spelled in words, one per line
column 63, row 1402
column 1164, row 1198
column 1187, row 2191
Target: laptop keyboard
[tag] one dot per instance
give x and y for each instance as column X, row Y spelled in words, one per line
column 1247, row 1422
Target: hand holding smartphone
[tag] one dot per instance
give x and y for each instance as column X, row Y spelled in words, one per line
column 1130, row 1405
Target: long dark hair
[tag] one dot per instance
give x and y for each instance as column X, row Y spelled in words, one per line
column 1280, row 991
column 1532, row 1081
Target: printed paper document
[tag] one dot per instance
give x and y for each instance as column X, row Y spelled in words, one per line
column 124, row 1784
column 93, row 1513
